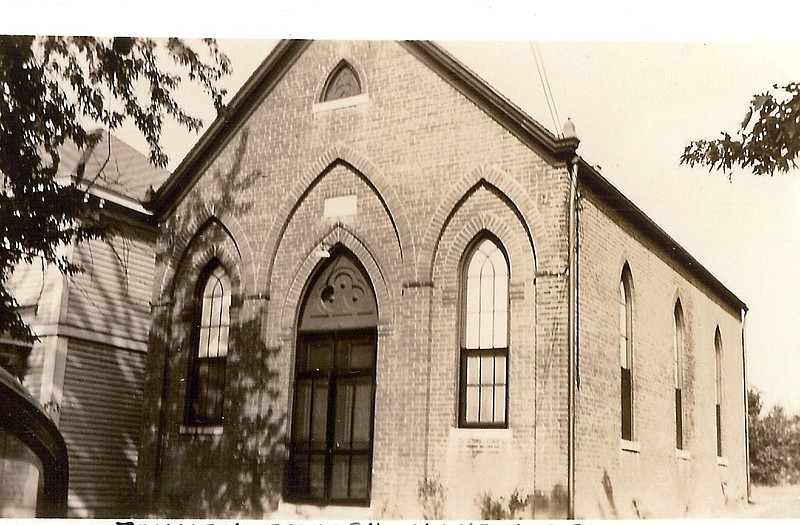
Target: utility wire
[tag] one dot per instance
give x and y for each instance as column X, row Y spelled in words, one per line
column 548, row 94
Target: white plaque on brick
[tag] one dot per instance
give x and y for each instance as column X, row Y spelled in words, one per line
column 341, row 206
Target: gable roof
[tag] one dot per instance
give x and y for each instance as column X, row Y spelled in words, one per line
column 285, row 53
column 458, row 75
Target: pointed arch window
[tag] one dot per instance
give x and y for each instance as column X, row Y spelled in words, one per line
column 626, row 353
column 206, row 388
column 483, row 392
column 678, row 344
column 718, row 384
column 343, row 82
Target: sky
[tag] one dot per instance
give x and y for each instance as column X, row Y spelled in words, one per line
column 638, row 83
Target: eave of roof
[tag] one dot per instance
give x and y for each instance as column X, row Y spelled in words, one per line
column 255, row 89
column 501, row 109
column 614, row 198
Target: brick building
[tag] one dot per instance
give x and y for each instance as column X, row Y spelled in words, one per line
column 382, row 290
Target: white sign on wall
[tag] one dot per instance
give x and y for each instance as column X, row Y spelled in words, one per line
column 341, row 206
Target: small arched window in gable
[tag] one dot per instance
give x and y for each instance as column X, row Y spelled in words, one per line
column 343, row 82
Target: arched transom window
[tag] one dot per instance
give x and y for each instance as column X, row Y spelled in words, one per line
column 211, row 332
column 484, row 351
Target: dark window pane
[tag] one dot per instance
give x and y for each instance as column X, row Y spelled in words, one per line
column 627, row 405
column 319, row 417
column 719, row 430
column 298, row 473
column 316, row 476
column 320, row 356
column 362, row 356
column 340, row 477
column 207, row 388
column 678, row 419
column 302, row 412
column 359, row 477
column 343, row 423
column 362, row 414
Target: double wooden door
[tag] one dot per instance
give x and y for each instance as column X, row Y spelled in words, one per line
column 330, row 458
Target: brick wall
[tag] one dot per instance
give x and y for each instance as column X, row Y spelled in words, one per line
column 430, row 170
column 652, row 481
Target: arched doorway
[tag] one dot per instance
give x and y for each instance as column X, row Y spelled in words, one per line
column 330, row 459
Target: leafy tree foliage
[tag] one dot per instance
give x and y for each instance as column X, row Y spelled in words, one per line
column 767, row 142
column 53, row 92
column 774, row 440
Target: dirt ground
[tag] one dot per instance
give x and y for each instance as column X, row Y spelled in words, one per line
column 769, row 502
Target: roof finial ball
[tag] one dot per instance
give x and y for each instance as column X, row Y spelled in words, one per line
column 569, row 129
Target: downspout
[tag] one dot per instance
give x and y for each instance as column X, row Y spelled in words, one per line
column 572, row 168
column 746, row 408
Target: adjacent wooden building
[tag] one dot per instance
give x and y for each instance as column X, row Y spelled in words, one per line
column 87, row 368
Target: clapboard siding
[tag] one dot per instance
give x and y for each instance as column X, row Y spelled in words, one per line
column 112, row 295
column 27, row 283
column 100, row 421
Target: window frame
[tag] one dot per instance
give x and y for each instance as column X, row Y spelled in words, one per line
column 625, row 313
column 342, row 67
column 466, row 353
column 719, row 393
column 679, row 349
column 219, row 362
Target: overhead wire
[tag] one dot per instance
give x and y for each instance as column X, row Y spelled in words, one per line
column 548, row 93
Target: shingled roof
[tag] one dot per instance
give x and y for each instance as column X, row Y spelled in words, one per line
column 113, row 168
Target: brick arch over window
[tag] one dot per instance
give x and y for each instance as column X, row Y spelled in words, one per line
column 338, row 235
column 199, row 225
column 211, row 242
column 359, row 165
column 517, row 248
column 539, row 239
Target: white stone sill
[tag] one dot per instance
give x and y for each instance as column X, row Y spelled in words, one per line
column 722, row 461
column 683, row 454
column 500, row 434
column 630, row 446
column 197, row 430
column 322, row 107
column 309, row 511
